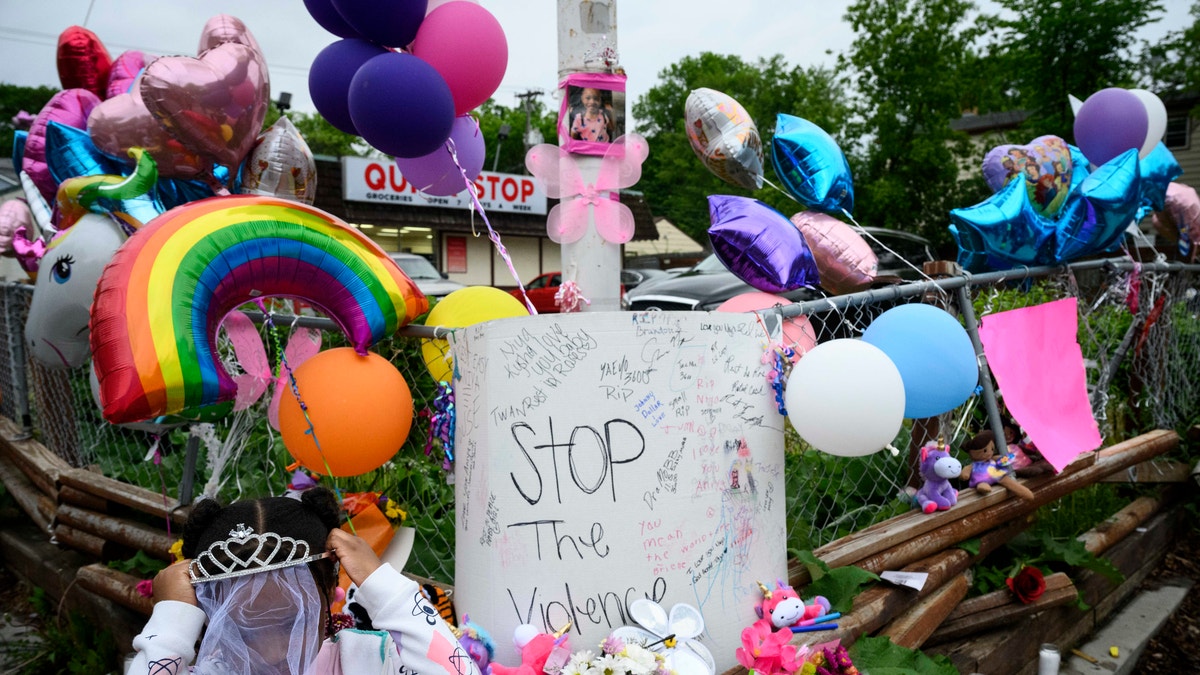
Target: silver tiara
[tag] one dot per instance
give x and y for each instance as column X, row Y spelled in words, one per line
column 271, row 552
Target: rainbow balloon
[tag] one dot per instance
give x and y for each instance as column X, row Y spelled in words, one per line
column 163, row 296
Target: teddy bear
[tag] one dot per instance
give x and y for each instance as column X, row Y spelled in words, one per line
column 987, row 469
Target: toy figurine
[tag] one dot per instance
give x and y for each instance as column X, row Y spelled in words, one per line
column 783, row 606
column 537, row 649
column 937, row 468
column 987, row 469
column 1024, row 456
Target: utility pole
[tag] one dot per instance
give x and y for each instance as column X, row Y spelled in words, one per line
column 527, row 99
column 593, row 263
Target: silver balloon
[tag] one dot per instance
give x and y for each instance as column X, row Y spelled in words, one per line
column 281, row 165
column 725, row 138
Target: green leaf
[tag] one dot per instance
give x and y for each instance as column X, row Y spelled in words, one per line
column 841, row 585
column 140, row 565
column 971, row 545
column 880, row 656
column 816, row 567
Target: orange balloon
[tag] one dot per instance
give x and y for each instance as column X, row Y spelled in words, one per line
column 361, row 411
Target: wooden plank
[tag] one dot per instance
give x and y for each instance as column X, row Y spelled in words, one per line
column 137, row 498
column 24, row 492
column 912, row 628
column 70, row 495
column 37, row 462
column 126, row 532
column 1103, row 536
column 117, row 586
column 1156, row 471
column 894, row 532
column 1059, row 591
column 982, row 603
column 84, row 542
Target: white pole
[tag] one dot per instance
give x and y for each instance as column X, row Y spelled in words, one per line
column 592, row 263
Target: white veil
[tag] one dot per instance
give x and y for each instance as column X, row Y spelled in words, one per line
column 265, row 623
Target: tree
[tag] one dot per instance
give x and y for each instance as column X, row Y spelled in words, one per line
column 1070, row 47
column 511, row 150
column 14, row 99
column 674, row 180
column 1172, row 65
column 909, row 64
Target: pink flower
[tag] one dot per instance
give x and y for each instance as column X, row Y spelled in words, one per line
column 145, row 588
column 766, row 650
column 612, row 645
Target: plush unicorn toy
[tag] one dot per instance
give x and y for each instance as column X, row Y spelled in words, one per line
column 937, row 468
column 783, row 606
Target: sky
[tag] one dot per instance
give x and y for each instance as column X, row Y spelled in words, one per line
column 651, row 35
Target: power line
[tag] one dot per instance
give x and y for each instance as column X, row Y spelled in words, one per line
column 527, row 98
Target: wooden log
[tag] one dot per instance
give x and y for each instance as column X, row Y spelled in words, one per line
column 117, row 586
column 24, row 492
column 84, row 542
column 132, row 496
column 70, row 495
column 1014, row 649
column 1103, row 536
column 1059, row 591
column 1157, row 471
column 934, row 541
column 912, row 628
column 37, row 462
column 962, row 519
column 126, row 532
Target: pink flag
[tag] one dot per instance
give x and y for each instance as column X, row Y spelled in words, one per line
column 1038, row 366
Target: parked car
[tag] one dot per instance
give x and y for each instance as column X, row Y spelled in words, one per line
column 631, row 277
column 709, row 284
column 431, row 282
column 542, row 289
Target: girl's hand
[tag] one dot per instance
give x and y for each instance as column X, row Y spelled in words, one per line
column 173, row 583
column 354, row 553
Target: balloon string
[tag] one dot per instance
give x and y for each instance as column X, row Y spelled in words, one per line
column 492, row 235
column 863, row 231
column 785, row 193
column 311, row 431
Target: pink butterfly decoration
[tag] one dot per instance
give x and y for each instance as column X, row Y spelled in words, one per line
column 252, row 357
column 559, row 175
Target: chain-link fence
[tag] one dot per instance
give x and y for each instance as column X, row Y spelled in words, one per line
column 1138, row 328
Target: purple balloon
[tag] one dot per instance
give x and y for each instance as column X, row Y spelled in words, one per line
column 1110, row 122
column 389, row 22
column 759, row 244
column 436, row 173
column 325, row 14
column 401, row 105
column 330, row 76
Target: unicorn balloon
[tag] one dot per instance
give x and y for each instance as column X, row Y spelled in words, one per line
column 56, row 331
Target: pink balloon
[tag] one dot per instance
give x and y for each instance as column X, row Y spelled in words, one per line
column 434, row 4
column 214, row 104
column 844, row 259
column 14, row 214
column 1182, row 211
column 223, row 28
column 69, row 107
column 466, row 45
column 124, row 71
column 123, row 122
column 436, row 173
column 798, row 332
column 281, row 165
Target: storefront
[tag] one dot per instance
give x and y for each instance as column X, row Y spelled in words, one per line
column 372, row 195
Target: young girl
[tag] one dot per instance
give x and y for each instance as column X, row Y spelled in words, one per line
column 261, row 573
column 593, row 122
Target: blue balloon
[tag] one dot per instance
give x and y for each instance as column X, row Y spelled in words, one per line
column 760, row 245
column 933, row 353
column 1005, row 227
column 812, row 167
column 1158, row 169
column 1079, row 166
column 1100, row 210
column 401, row 105
column 70, row 152
column 18, row 156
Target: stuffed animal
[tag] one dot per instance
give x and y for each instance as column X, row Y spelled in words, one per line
column 987, row 469
column 937, row 468
column 476, row 641
column 1023, row 455
column 784, row 607
column 536, row 649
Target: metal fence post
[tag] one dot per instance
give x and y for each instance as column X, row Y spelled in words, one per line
column 985, row 373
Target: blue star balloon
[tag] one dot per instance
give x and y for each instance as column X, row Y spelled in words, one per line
column 811, row 165
column 1098, row 213
column 1005, row 227
column 70, row 153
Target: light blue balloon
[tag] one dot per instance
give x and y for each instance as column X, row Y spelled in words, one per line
column 1004, row 227
column 1158, row 169
column 812, row 167
column 933, row 353
column 1100, row 210
column 18, row 156
column 70, row 153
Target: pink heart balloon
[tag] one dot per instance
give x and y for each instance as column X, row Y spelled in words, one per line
column 1044, row 163
column 14, row 214
column 123, row 122
column 844, row 259
column 69, row 107
column 223, row 28
column 124, row 72
column 214, row 104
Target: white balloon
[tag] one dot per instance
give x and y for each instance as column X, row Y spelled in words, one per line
column 1156, row 116
column 1076, row 104
column 846, row 398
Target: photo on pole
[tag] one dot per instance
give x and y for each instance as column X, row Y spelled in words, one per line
column 593, row 112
